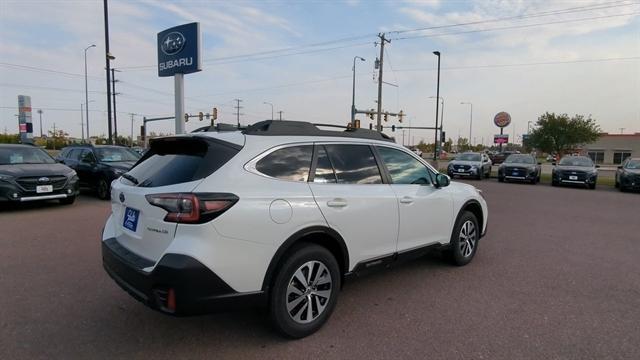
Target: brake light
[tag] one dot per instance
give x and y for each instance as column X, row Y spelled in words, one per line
column 192, row 208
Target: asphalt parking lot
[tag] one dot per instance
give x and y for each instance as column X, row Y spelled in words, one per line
column 557, row 277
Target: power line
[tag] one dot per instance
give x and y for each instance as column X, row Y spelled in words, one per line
column 47, row 88
column 45, row 70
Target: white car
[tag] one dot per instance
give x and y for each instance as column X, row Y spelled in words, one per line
column 278, row 215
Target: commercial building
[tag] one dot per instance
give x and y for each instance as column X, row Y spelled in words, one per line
column 613, row 148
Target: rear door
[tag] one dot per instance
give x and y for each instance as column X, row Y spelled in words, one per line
column 426, row 212
column 348, row 188
column 172, row 165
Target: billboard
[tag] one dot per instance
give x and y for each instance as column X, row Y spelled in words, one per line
column 502, row 119
column 179, row 50
column 501, row 139
column 25, row 126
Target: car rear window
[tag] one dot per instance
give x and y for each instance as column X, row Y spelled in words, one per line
column 178, row 160
column 290, row 163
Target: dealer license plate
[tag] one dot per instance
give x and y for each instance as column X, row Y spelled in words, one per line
column 44, row 189
column 131, row 219
column 572, row 177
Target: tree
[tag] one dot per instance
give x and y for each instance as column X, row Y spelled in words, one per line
column 9, row 138
column 560, row 134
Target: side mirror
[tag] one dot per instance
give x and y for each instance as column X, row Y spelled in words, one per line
column 541, row 163
column 597, row 166
column 553, row 163
column 619, row 166
column 442, row 180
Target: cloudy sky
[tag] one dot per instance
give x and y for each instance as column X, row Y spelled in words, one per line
column 523, row 57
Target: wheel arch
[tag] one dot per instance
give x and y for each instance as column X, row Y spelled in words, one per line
column 321, row 235
column 475, row 208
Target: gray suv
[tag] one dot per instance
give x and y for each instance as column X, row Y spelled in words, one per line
column 470, row 164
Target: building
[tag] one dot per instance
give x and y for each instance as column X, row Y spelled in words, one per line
column 613, row 148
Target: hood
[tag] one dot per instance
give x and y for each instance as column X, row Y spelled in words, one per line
column 575, row 168
column 465, row 162
column 120, row 165
column 632, row 171
column 20, row 170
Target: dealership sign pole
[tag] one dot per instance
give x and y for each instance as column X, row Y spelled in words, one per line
column 502, row 120
column 179, row 54
column 25, row 125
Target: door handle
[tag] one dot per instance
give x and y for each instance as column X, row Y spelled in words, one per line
column 337, row 203
column 406, row 200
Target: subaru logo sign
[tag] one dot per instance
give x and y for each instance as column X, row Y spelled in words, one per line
column 43, row 179
column 121, row 197
column 179, row 50
column 172, row 43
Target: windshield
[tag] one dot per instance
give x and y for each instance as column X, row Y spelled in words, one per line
column 576, row 161
column 114, row 154
column 468, row 157
column 633, row 164
column 24, row 155
column 521, row 159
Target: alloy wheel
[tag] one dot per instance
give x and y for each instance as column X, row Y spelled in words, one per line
column 467, row 238
column 308, row 292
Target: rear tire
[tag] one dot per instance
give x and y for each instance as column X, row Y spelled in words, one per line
column 592, row 186
column 554, row 183
column 500, row 178
column 305, row 291
column 464, row 240
column 68, row 200
column 102, row 189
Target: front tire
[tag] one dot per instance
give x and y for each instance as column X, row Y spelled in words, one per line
column 464, row 240
column 305, row 291
column 102, row 189
column 68, row 200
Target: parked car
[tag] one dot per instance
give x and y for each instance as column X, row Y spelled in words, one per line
column 500, row 157
column 273, row 216
column 97, row 166
column 470, row 164
column 520, row 167
column 28, row 173
column 628, row 175
column 575, row 170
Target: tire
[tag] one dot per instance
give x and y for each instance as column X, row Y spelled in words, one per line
column 464, row 240
column 554, row 183
column 500, row 178
column 291, row 317
column 617, row 184
column 68, row 200
column 102, row 189
column 592, row 186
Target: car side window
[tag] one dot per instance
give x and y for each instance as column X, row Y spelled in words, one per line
column 291, row 163
column 324, row 170
column 87, row 156
column 354, row 164
column 404, row 168
column 74, row 154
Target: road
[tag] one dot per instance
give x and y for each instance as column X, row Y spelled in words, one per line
column 557, row 277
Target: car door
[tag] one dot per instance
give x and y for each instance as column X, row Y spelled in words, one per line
column 348, row 188
column 86, row 167
column 426, row 212
column 486, row 164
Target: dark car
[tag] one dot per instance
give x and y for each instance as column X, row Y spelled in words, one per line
column 97, row 166
column 519, row 167
column 28, row 173
column 628, row 175
column 500, row 157
column 575, row 170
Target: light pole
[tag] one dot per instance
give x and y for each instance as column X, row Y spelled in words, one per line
column 441, row 114
column 86, row 88
column 353, row 91
column 268, row 103
column 40, row 113
column 435, row 143
column 470, row 119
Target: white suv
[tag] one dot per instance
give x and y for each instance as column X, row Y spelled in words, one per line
column 278, row 215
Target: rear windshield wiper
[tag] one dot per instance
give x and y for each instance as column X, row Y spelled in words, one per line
column 130, row 178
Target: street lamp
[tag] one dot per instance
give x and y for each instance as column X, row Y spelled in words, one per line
column 441, row 114
column 268, row 103
column 470, row 119
column 86, row 89
column 435, row 143
column 353, row 92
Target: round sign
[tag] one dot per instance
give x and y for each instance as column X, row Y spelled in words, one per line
column 502, row 119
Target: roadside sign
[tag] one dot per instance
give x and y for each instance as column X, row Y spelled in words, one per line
column 179, row 50
column 25, row 125
column 502, row 119
column 501, row 139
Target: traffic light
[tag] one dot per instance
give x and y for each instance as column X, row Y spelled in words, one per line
column 214, row 114
column 356, row 124
column 200, row 116
column 393, row 128
column 442, row 136
column 400, row 116
column 186, row 117
column 386, row 116
column 371, row 114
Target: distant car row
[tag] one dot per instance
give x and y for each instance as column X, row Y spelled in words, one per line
column 28, row 173
column 570, row 170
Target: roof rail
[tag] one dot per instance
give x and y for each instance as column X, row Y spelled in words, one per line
column 219, row 127
column 302, row 128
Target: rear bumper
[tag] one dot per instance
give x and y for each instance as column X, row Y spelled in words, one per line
column 196, row 289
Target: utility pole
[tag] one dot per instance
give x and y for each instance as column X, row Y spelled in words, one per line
column 54, row 136
column 40, row 113
column 82, row 121
column 115, row 122
column 238, row 107
column 131, row 129
column 353, row 91
column 436, row 141
column 107, row 57
column 621, row 129
column 86, row 88
column 380, row 67
column 280, row 114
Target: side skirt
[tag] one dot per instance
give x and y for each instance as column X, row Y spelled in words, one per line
column 387, row 261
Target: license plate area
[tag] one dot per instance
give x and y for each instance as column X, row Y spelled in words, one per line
column 573, row 177
column 130, row 220
column 41, row 189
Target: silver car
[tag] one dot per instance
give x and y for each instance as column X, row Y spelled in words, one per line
column 470, row 164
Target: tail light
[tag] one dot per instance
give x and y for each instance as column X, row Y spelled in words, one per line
column 192, row 208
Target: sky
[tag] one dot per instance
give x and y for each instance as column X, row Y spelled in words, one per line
column 522, row 57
